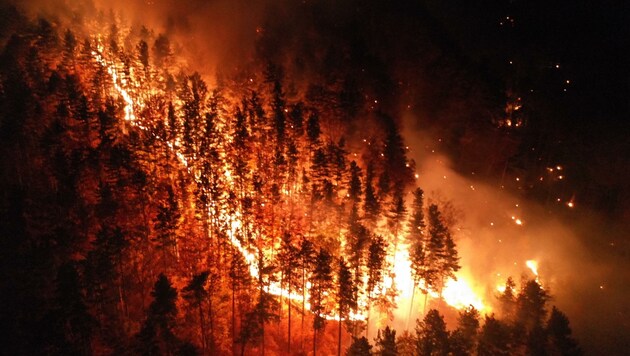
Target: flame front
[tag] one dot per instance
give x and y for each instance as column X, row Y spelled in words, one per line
column 458, row 293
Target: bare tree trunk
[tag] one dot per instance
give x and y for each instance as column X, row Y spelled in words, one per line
column 303, row 302
column 413, row 294
column 289, row 322
column 339, row 334
column 424, row 309
column 202, row 329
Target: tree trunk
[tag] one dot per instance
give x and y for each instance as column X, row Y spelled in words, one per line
column 210, row 343
column 233, row 316
column 339, row 334
column 202, row 329
column 303, row 302
column 413, row 294
column 289, row 322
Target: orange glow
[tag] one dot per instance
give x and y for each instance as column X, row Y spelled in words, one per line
column 460, row 295
column 533, row 266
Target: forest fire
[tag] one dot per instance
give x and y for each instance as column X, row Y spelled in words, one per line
column 282, row 204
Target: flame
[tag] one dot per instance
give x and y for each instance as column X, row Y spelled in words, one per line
column 234, row 220
column 533, row 266
column 459, row 294
column 118, row 84
column 456, row 293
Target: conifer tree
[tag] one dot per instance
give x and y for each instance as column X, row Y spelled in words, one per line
column 417, row 242
column 495, row 338
column 507, row 301
column 386, row 342
column 346, row 296
column 442, row 261
column 559, row 335
column 371, row 205
column 307, row 259
column 431, row 334
column 288, row 260
column 530, row 305
column 195, row 293
column 157, row 335
column 71, row 326
column 359, row 347
column 321, row 283
column 375, row 269
column 463, row 339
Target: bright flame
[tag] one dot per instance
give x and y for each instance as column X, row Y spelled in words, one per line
column 533, row 266
column 111, row 70
column 459, row 294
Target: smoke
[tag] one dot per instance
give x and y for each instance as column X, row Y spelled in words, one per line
column 587, row 282
column 209, row 34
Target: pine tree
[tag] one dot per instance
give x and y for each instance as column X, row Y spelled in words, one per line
column 359, row 347
column 371, row 205
column 375, row 268
column 156, row 335
column 507, row 301
column 354, row 188
column 386, row 342
column 431, row 334
column 463, row 339
column 346, row 296
column 166, row 227
column 530, row 305
column 195, row 294
column 240, row 282
column 71, row 326
column 417, row 241
column 307, row 259
column 288, row 261
column 442, row 259
column 396, row 215
column 406, row 344
column 321, row 283
column 559, row 335
column 495, row 338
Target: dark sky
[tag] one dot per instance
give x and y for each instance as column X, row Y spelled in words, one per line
column 588, row 39
column 570, row 63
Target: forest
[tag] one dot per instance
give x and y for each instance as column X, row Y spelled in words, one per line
column 149, row 210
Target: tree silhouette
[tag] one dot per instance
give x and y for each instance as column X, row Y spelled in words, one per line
column 431, row 334
column 321, row 284
column 463, row 339
column 495, row 338
column 195, row 294
column 157, row 335
column 359, row 347
column 559, row 335
column 346, row 296
column 386, row 342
